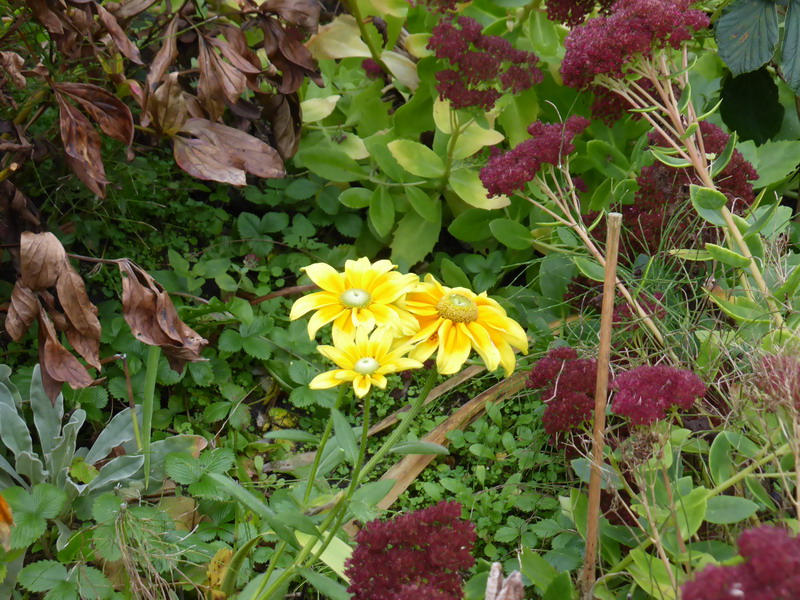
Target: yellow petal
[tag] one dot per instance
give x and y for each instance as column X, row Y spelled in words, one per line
column 423, row 350
column 344, row 323
column 322, row 317
column 454, row 349
column 393, row 285
column 361, row 385
column 378, row 380
column 337, row 355
column 324, row 381
column 326, row 277
column 362, row 318
column 312, row 302
column 483, row 344
column 507, row 359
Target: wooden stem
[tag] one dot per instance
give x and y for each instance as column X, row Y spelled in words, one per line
column 614, row 223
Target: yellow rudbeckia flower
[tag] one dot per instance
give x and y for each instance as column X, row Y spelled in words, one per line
column 456, row 320
column 364, row 360
column 366, row 295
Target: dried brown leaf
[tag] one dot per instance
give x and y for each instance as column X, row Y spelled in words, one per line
column 248, row 153
column 165, row 56
column 42, row 259
column 286, row 51
column 83, row 329
column 153, row 319
column 111, row 114
column 23, row 309
column 46, row 16
column 12, row 63
column 283, row 113
column 121, row 40
column 57, row 360
column 51, row 387
column 167, row 107
column 129, row 8
column 235, row 49
column 303, row 13
column 207, row 161
column 82, row 146
column 209, row 85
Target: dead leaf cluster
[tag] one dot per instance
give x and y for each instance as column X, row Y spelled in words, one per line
column 50, row 291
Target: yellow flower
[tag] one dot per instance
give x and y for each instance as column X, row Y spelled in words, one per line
column 455, row 321
column 365, row 295
column 363, row 359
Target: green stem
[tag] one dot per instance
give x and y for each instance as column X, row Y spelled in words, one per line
column 404, row 425
column 731, row 481
column 352, row 7
column 148, row 406
column 320, row 449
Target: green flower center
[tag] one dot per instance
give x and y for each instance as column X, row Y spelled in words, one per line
column 366, row 366
column 457, row 308
column 355, row 298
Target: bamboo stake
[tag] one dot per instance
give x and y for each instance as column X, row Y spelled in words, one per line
column 614, row 222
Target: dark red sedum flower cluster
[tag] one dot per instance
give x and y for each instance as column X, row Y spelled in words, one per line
column 567, row 383
column 645, row 394
column 603, row 46
column 778, row 378
column 417, row 555
column 484, row 66
column 771, row 570
column 509, row 172
column 573, row 12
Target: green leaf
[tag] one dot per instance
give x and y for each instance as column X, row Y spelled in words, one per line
column 519, row 112
column 750, row 105
column 14, row 431
column 92, row 584
column 747, row 34
column 790, row 53
column 473, row 138
column 381, row 211
column 652, row 576
column 708, row 203
column 413, row 240
column 607, row 159
column 417, row 158
column 257, row 347
column 590, row 268
column 219, row 460
column 560, row 588
column 117, row 469
column 183, row 468
column 31, row 511
column 419, row 447
column 724, row 510
column 293, row 435
column 345, row 436
column 511, row 233
column 675, row 162
column 537, row 569
column 230, row 341
column 452, row 274
column 609, row 478
column 471, row 226
column 428, row 208
column 743, row 309
column 723, row 159
column 466, row 183
column 542, row 34
column 355, row 197
column 42, row 576
column 728, row 257
column 63, row 590
column 322, row 157
column 325, row 585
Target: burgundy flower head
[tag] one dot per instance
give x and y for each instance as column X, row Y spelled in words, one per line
column 603, row 46
column 508, row 172
column 481, row 64
column 573, row 12
column 645, row 394
column 567, row 383
column 437, row 6
column 660, row 203
column 778, row 378
column 771, row 570
column 417, row 555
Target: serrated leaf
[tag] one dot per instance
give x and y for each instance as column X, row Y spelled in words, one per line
column 92, row 584
column 257, row 347
column 216, row 411
column 219, row 460
column 230, row 341
column 747, row 34
column 183, row 468
column 42, row 576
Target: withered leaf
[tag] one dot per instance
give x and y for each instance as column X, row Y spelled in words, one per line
column 12, row 63
column 42, row 259
column 235, row 49
column 165, row 56
column 83, row 331
column 283, row 113
column 82, row 147
column 231, row 80
column 24, row 308
column 57, row 361
column 209, row 86
column 242, row 151
column 152, row 317
column 111, row 114
column 124, row 45
column 207, row 161
column 45, row 16
column 167, row 107
column 130, row 8
column 303, row 13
